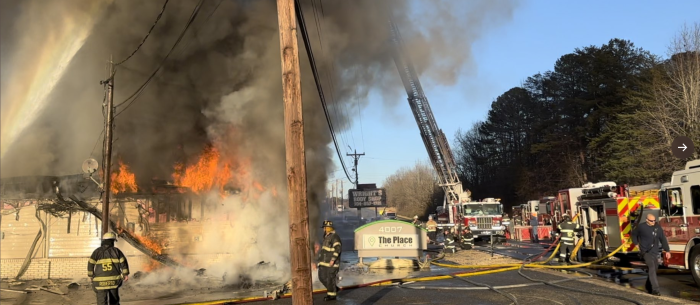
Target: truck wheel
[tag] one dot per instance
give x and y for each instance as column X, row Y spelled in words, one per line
column 694, row 264
column 600, row 250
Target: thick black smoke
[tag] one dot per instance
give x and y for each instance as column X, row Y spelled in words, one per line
column 222, row 85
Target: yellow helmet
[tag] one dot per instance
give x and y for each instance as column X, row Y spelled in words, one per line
column 109, row 235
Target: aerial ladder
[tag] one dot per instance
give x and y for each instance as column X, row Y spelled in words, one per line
column 434, row 139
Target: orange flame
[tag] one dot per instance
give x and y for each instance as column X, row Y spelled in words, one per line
column 204, row 175
column 123, row 180
column 150, row 244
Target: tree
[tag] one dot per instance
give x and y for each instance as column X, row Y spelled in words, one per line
column 673, row 107
column 414, row 190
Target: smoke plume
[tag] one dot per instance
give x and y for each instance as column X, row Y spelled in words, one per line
column 222, row 87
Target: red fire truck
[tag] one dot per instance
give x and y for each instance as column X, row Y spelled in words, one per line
column 680, row 218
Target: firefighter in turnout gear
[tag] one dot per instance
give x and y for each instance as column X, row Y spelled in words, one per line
column 567, row 229
column 432, row 229
column 108, row 269
column 450, row 246
column 329, row 260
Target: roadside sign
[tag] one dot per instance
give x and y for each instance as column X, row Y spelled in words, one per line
column 367, row 198
column 390, row 238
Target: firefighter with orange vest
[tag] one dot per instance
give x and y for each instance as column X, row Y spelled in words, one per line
column 108, row 269
column 329, row 260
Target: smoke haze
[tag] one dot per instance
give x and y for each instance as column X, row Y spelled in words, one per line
column 222, row 87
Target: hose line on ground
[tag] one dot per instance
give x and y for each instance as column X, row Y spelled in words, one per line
column 496, row 290
column 590, row 275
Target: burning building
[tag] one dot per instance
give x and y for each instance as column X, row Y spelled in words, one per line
column 199, row 171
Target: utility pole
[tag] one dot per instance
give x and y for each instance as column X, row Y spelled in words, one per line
column 356, row 156
column 107, row 149
column 302, row 292
column 342, row 203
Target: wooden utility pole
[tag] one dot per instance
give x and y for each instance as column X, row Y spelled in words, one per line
column 302, row 292
column 107, row 149
column 356, row 156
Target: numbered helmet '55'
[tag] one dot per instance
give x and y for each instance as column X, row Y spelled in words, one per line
column 327, row 223
column 109, row 235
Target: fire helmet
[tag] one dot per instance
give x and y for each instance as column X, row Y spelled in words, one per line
column 109, row 235
column 415, row 217
column 567, row 217
column 327, row 223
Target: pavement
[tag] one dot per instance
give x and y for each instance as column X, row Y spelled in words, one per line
column 675, row 285
column 428, row 293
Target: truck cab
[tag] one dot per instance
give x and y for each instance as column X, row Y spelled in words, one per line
column 484, row 218
column 680, row 218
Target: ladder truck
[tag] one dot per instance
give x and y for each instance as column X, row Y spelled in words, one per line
column 483, row 218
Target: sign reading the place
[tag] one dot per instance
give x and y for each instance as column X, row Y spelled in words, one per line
column 390, row 238
column 367, row 198
column 390, row 241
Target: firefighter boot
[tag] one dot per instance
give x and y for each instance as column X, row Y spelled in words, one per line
column 329, row 298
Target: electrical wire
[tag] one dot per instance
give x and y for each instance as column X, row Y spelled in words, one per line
column 147, row 34
column 138, row 92
column 312, row 61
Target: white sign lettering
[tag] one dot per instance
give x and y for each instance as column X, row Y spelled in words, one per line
column 390, row 241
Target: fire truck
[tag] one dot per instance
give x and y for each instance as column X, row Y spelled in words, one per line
column 680, row 218
column 441, row 157
column 608, row 212
column 484, row 218
column 541, row 207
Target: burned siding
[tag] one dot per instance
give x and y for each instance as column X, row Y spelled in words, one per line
column 17, row 234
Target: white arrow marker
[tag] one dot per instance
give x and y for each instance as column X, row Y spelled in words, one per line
column 684, row 147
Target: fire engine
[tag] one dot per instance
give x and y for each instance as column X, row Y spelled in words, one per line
column 484, row 218
column 441, row 157
column 608, row 213
column 541, row 207
column 680, row 218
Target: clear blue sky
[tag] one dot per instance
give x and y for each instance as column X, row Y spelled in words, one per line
column 540, row 32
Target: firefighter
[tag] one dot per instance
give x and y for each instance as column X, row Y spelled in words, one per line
column 108, row 269
column 567, row 229
column 416, row 222
column 534, row 223
column 466, row 238
column 329, row 260
column 432, row 229
column 449, row 244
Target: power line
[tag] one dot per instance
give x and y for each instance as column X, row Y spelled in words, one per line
column 312, row 62
column 147, row 34
column 334, row 102
column 138, row 92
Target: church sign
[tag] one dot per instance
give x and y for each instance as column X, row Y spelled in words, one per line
column 390, row 238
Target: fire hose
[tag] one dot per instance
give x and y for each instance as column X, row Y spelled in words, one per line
column 480, row 270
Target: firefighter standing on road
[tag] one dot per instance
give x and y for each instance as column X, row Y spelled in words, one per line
column 108, row 269
column 432, row 229
column 329, row 260
column 567, row 229
column 650, row 238
column 534, row 223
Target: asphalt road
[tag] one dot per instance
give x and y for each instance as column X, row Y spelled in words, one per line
column 675, row 285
